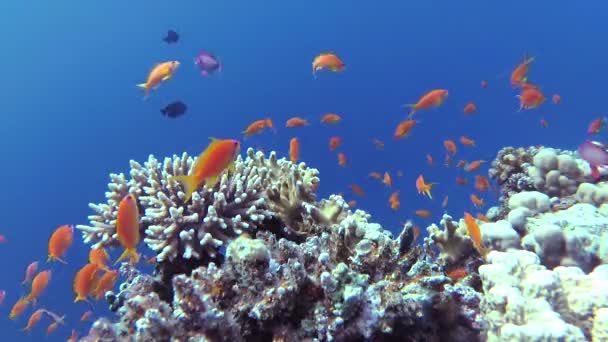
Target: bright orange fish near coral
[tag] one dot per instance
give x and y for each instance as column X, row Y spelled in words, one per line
column 99, row 257
column 294, row 150
column 34, row 319
column 210, row 164
column 474, row 165
column 481, row 183
column 423, row 187
column 474, row 233
column 433, row 98
column 531, row 97
column 393, row 201
column 127, row 228
column 478, row 202
column 329, row 61
column 520, row 73
column 39, row 284
column 59, row 242
column 160, row 72
column 85, row 282
column 105, row 284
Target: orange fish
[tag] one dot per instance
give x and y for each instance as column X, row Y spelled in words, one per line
column 210, row 164
column 478, row 202
column 470, row 108
column 483, row 218
column 457, row 274
column 39, row 284
column 556, row 99
column 59, row 242
column 85, row 282
column 596, row 126
column 375, row 175
column 433, row 98
column 159, row 73
column 387, row 180
column 342, row 159
column 296, row 121
column 99, row 257
column 423, row 213
column 461, row 164
column 378, row 143
column 34, row 319
column 416, row 232
column 393, row 201
column 327, row 60
column 334, row 143
column 474, row 233
column 481, row 183
column 256, row 127
column 461, row 181
column 73, row 337
column 423, row 187
column 450, row 146
column 151, row 260
column 294, row 150
column 352, row 204
column 105, row 283
column 403, row 129
column 357, row 190
column 467, row 141
column 520, row 73
column 429, row 159
column 530, row 98
column 127, row 228
column 474, row 165
column 444, row 203
column 86, row 316
column 18, row 308
column 29, row 272
column 484, row 84
column 51, row 328
column 331, row 118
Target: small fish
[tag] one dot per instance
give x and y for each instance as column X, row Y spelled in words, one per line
column 86, row 316
column 596, row 154
column 59, row 242
column 294, row 150
column 481, row 183
column 429, row 159
column 2, row 296
column 484, row 84
column 29, row 272
column 387, row 179
column 18, row 308
column 556, row 98
column 39, row 284
column 423, row 187
column 207, row 63
column 172, row 37
column 450, row 146
column 357, row 190
column 85, row 281
column 519, row 75
column 257, row 126
column 342, row 159
column 329, row 61
column 51, row 328
column 544, row 123
column 160, row 72
column 474, row 233
column 331, row 118
column 352, row 204
column 457, row 274
column 478, row 202
column 378, row 143
column 105, row 284
column 467, row 141
column 433, row 98
column 403, row 129
column 334, row 143
column 423, row 213
column 444, row 203
column 375, row 175
column 296, row 121
column 393, row 201
column 127, row 228
column 99, row 257
column 461, row 181
column 531, row 97
column 474, row 165
column 470, row 108
column 210, row 164
column 596, row 126
column 34, row 319
column 174, row 109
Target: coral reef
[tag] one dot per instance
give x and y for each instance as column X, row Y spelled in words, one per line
column 306, row 270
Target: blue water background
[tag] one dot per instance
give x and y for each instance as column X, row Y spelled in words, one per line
column 71, row 113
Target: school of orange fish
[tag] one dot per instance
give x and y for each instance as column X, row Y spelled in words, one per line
column 96, row 277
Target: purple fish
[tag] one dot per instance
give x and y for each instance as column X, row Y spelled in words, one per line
column 595, row 154
column 207, row 63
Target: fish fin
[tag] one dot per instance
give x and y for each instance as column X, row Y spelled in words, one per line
column 131, row 253
column 211, row 181
column 143, row 86
column 167, row 77
column 190, row 184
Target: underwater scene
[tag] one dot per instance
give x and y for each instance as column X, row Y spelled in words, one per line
column 304, row 171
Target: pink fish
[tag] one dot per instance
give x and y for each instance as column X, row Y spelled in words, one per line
column 2, row 296
column 595, row 154
column 30, row 271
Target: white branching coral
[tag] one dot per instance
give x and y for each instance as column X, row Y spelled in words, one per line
column 260, row 189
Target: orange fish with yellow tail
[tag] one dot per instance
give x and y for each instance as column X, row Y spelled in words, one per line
column 85, row 282
column 127, row 228
column 160, row 72
column 433, row 98
column 423, row 187
column 474, row 233
column 217, row 157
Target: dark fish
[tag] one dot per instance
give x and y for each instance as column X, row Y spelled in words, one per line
column 172, row 37
column 174, row 109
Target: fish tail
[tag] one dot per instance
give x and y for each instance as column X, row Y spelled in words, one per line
column 190, row 184
column 145, row 88
column 131, row 253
